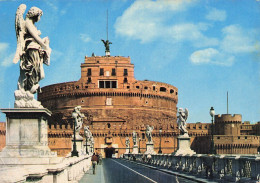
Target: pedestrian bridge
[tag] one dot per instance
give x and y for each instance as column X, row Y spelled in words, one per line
column 142, row 168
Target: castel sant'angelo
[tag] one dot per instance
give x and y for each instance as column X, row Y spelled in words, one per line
column 115, row 104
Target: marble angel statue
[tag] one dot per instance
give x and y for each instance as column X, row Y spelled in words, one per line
column 148, row 133
column 134, row 138
column 78, row 116
column 127, row 142
column 182, row 118
column 87, row 133
column 32, row 50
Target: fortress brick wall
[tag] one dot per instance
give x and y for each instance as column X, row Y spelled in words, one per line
column 106, row 90
column 234, row 137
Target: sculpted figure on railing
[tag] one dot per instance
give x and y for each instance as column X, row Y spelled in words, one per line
column 134, row 138
column 127, row 142
column 78, row 116
column 148, row 132
column 182, row 118
column 87, row 133
column 33, row 52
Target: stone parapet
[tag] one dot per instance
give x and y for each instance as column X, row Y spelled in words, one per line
column 71, row 169
column 217, row 168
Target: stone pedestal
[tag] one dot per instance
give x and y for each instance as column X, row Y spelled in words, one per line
column 150, row 148
column 135, row 149
column 27, row 137
column 88, row 150
column 184, row 145
column 107, row 53
column 127, row 150
column 79, row 144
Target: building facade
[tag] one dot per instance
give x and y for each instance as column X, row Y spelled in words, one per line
column 116, row 104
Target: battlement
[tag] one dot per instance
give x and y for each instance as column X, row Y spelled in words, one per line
column 60, row 127
column 228, row 118
column 107, row 60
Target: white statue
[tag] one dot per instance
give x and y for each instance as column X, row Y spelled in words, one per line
column 148, row 132
column 127, row 142
column 134, row 138
column 33, row 52
column 78, row 116
column 182, row 118
column 87, row 133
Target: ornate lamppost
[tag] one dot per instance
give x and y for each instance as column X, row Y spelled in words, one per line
column 160, row 148
column 139, row 150
column 74, row 151
column 212, row 147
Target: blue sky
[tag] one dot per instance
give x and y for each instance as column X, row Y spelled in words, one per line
column 204, row 48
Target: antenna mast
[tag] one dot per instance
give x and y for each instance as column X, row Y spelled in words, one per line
column 107, row 24
column 227, row 102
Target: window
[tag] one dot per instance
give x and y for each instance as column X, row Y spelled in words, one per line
column 125, row 72
column 137, row 87
column 101, row 84
column 107, row 84
column 108, row 125
column 162, row 89
column 89, row 72
column 114, row 84
column 125, row 80
column 153, row 88
column 128, row 87
column 171, row 91
column 101, row 73
column 113, row 72
column 143, row 136
column 145, row 87
column 89, row 80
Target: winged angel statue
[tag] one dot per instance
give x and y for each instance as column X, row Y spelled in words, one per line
column 182, row 118
column 32, row 51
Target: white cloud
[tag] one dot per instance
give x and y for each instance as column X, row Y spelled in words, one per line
column 191, row 32
column 147, row 21
column 216, row 15
column 211, row 56
column 3, row 48
column 55, row 55
column 238, row 40
column 85, row 38
column 5, row 58
column 8, row 60
column 144, row 20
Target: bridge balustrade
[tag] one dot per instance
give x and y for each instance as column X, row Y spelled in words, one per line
column 233, row 168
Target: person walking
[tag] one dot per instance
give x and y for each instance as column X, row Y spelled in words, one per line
column 94, row 160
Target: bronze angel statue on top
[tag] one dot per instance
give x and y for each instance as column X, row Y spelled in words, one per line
column 32, row 50
column 182, row 118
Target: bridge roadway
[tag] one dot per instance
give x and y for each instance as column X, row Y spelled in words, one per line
column 119, row 171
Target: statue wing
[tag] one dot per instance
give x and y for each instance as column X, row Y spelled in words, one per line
column 186, row 114
column 20, row 31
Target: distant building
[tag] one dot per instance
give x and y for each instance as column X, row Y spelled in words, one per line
column 116, row 104
column 234, row 137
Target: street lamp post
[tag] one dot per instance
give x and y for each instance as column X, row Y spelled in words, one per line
column 212, row 148
column 160, row 149
column 74, row 152
column 139, row 150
